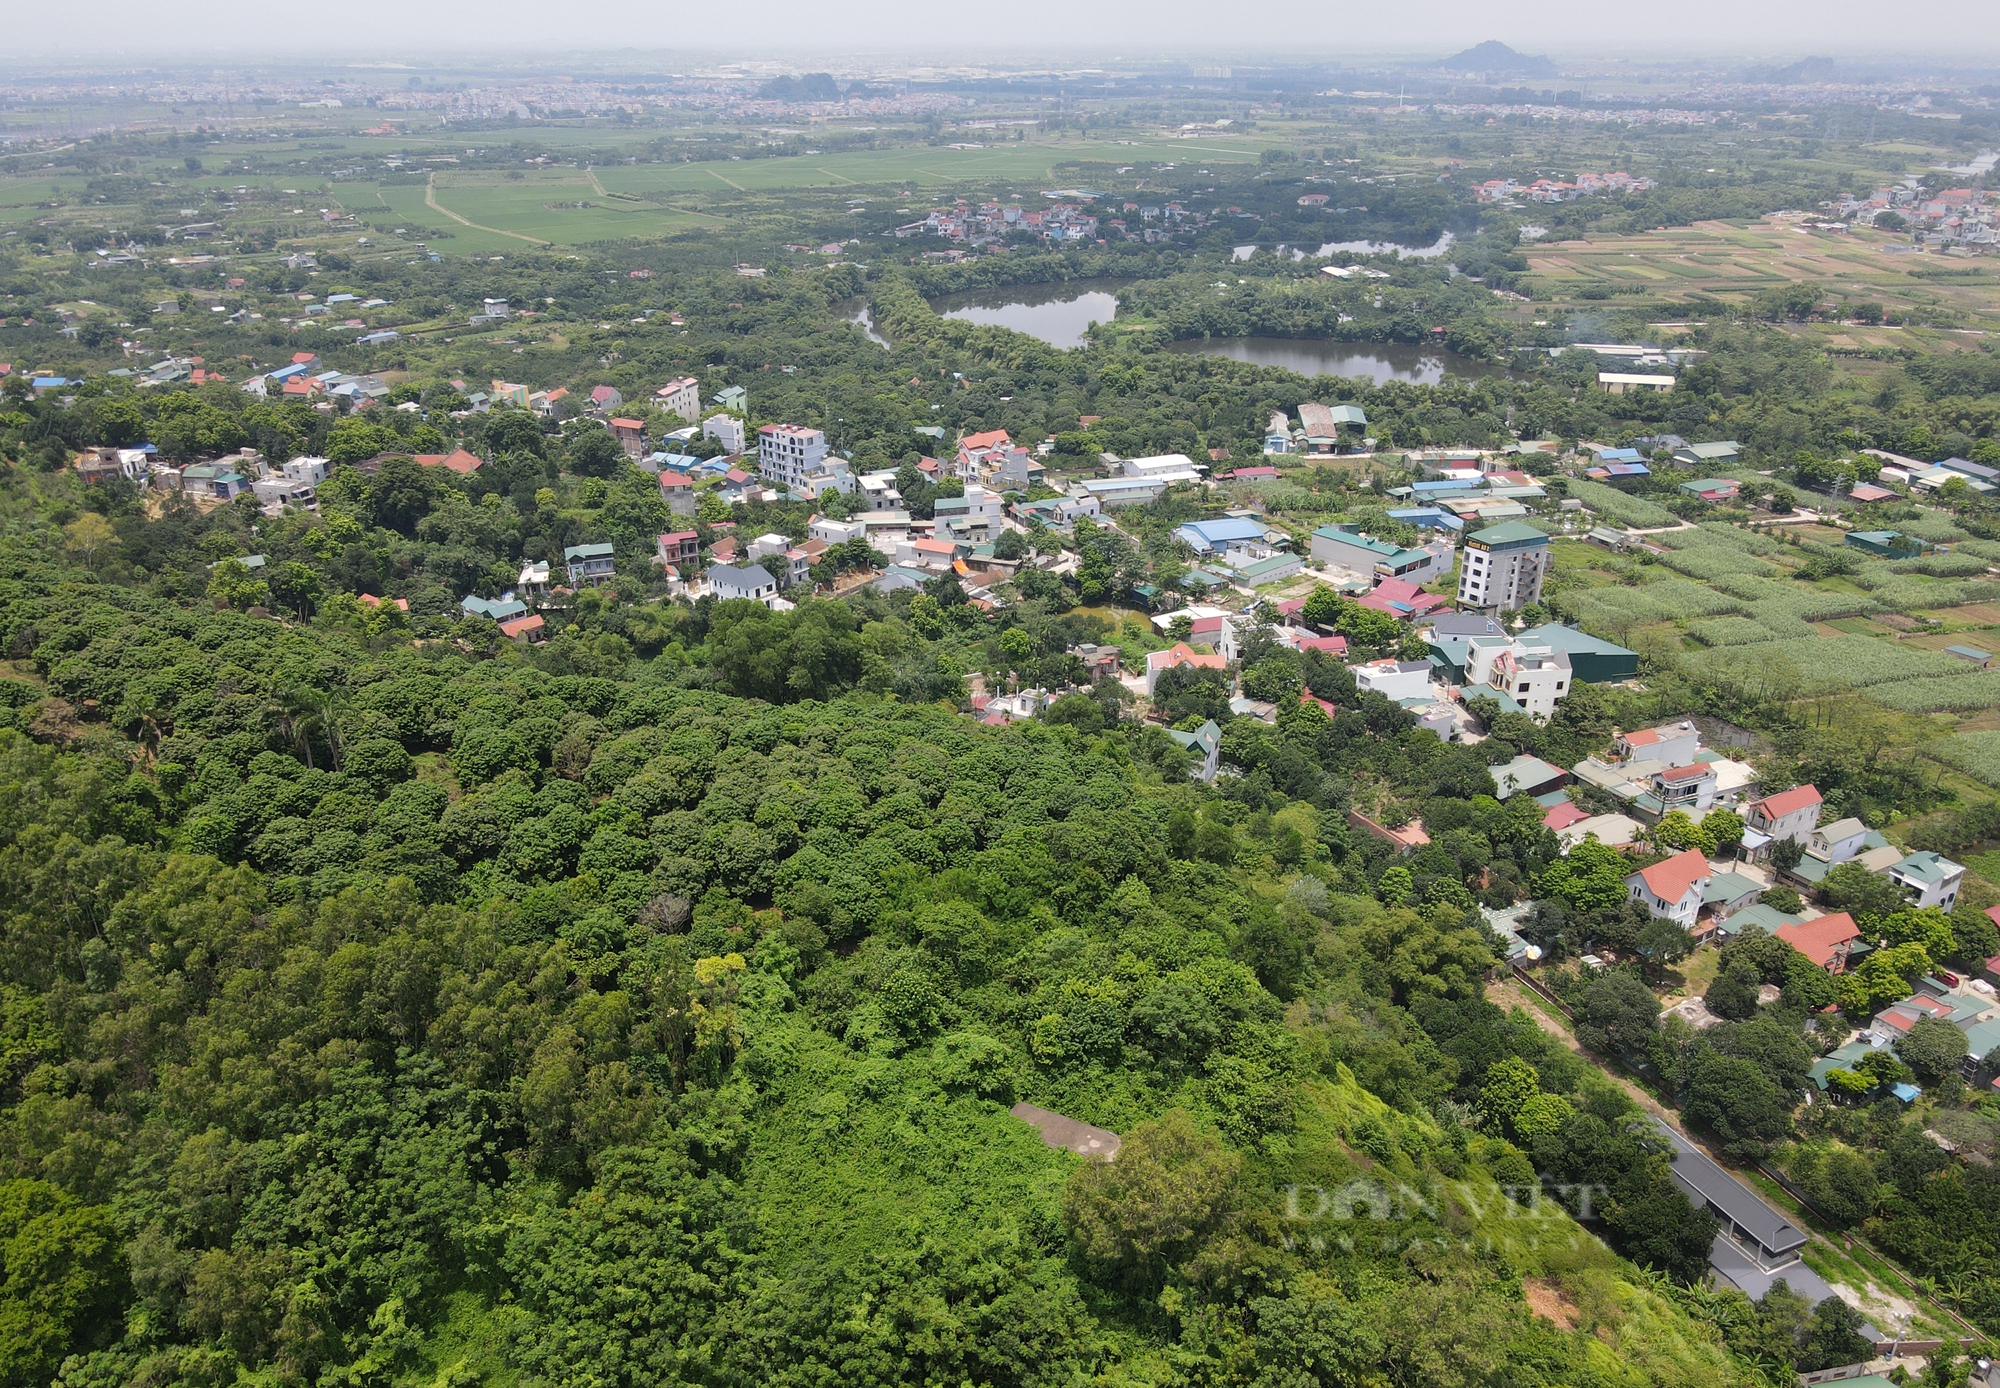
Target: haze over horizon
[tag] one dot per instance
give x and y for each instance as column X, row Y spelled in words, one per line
column 1965, row 31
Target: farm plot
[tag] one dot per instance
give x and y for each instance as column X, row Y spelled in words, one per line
column 1907, row 593
column 1669, row 600
column 1729, row 631
column 1972, row 693
column 1708, row 562
column 1976, row 754
column 1615, row 505
column 1824, row 664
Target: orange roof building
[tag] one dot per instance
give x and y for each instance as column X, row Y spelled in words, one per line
column 458, row 461
column 1671, row 889
column 1825, row 940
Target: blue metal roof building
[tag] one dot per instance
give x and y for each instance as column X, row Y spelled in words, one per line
column 1213, row 536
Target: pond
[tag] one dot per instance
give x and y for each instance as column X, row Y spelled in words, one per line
column 1379, row 362
column 865, row 320
column 1055, row 313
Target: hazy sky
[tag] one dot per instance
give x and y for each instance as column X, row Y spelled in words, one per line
column 121, row 31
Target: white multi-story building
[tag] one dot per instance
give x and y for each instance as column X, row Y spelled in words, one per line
column 1503, row 568
column 787, row 454
column 1534, row 677
column 835, row 532
column 784, row 561
column 681, row 396
column 977, row 509
column 725, row 429
column 1393, row 679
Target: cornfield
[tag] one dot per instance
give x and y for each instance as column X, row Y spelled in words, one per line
column 1971, row 693
column 1976, row 754
column 1826, row 664
column 1609, row 501
column 1729, row 631
column 1942, row 565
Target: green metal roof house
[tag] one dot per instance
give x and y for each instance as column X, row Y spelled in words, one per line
column 1709, row 454
column 1595, row 661
column 1886, row 544
column 1206, row 743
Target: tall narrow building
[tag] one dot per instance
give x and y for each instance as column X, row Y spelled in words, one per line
column 1503, row 568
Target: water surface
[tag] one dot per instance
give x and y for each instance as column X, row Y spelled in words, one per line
column 1422, row 366
column 1056, row 313
column 865, row 320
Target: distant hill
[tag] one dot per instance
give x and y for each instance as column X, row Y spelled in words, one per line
column 1494, row 56
column 814, row 86
column 1805, row 72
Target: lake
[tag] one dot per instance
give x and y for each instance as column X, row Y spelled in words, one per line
column 1379, row 362
column 1056, row 313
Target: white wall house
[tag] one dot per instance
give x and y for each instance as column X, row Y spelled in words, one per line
column 1931, row 880
column 753, row 581
column 1790, row 814
column 725, row 429
column 681, row 396
column 1394, row 680
column 1671, row 890
column 1534, row 677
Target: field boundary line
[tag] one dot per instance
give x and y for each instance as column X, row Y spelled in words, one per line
column 430, row 201
column 719, row 178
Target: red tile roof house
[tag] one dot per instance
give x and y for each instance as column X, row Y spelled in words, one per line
column 678, row 547
column 458, row 460
column 1671, row 889
column 677, row 490
column 528, row 628
column 1825, row 940
column 1790, row 814
column 1159, row 662
column 1560, row 817
column 605, row 398
column 631, row 435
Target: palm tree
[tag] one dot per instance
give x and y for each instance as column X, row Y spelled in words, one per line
column 146, row 718
column 301, row 711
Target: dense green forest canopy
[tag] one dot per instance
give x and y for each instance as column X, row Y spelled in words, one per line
column 383, row 1002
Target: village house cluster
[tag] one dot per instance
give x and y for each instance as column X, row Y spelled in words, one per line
column 978, row 224
column 1967, row 218
column 1584, row 185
